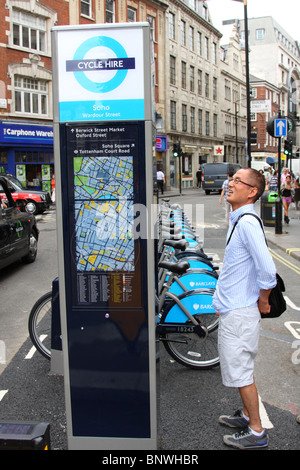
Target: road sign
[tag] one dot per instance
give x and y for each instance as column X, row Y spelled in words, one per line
column 280, row 127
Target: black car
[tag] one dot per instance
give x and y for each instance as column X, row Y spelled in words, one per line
column 37, row 200
column 18, row 231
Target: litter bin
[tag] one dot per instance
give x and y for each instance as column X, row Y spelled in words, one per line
column 268, row 208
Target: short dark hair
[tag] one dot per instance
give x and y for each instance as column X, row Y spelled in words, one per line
column 258, row 180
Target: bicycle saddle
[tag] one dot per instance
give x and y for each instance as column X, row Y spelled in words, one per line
column 177, row 268
column 177, row 244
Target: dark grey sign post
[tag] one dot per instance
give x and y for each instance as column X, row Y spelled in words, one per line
column 103, row 138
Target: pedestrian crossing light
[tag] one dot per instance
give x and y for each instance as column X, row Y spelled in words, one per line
column 288, row 148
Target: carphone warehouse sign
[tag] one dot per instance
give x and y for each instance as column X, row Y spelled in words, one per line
column 101, row 74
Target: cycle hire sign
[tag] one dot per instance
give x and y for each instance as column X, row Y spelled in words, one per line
column 101, row 75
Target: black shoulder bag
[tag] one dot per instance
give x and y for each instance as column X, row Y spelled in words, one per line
column 276, row 299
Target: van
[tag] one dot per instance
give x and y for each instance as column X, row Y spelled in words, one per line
column 214, row 175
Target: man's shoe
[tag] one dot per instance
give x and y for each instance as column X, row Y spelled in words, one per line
column 245, row 439
column 234, row 421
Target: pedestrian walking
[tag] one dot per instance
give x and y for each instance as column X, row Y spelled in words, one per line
column 160, row 177
column 199, row 177
column 224, row 194
column 246, row 279
column 286, row 191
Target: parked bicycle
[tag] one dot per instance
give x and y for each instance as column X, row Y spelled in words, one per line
column 187, row 324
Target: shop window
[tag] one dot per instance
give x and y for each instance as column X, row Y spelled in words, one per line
column 3, row 157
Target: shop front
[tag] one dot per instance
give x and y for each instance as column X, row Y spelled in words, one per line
column 26, row 151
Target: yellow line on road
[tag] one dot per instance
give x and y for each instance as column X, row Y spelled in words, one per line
column 285, row 262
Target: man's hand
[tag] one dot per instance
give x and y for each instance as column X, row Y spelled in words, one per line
column 263, row 301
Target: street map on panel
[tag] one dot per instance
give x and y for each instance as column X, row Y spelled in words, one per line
column 103, row 235
column 103, row 177
column 103, row 187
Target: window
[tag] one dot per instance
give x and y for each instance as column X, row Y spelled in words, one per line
column 183, row 33
column 214, row 53
column 183, row 75
column 171, row 25
column 199, row 43
column 227, row 89
column 31, row 95
column 184, row 117
column 215, row 88
column 192, row 119
column 199, row 82
column 200, row 121
column 207, row 130
column 260, row 33
column 192, row 78
column 131, row 15
column 86, row 7
column 206, row 85
column 29, row 31
column 151, row 21
column 172, row 70
column 173, row 115
column 110, row 11
column 191, row 38
column 215, row 130
column 206, row 46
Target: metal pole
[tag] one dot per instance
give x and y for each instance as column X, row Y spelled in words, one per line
column 236, row 133
column 180, row 166
column 247, row 84
column 278, row 206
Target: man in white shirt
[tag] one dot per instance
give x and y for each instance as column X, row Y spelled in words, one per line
column 246, row 279
column 160, row 180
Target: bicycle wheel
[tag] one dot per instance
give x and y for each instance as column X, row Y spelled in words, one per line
column 39, row 325
column 187, row 348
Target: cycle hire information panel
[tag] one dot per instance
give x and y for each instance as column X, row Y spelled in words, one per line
column 103, row 169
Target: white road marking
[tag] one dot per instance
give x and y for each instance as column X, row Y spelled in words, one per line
column 265, row 421
column 3, row 393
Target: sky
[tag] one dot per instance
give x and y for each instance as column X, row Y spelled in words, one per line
column 285, row 12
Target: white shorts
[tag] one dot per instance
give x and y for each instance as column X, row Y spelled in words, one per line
column 238, row 338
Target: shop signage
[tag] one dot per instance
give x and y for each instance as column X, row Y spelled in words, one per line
column 24, row 134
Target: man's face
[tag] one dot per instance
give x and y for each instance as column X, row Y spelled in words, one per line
column 240, row 189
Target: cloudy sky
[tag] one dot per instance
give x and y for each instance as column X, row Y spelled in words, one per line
column 285, row 12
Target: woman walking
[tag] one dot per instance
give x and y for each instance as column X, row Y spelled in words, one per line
column 286, row 190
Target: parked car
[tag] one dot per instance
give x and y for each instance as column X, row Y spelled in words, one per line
column 214, row 174
column 18, row 231
column 35, row 201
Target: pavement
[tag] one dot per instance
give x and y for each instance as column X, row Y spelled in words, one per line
column 287, row 241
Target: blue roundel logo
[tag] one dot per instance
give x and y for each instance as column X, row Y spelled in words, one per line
column 79, row 57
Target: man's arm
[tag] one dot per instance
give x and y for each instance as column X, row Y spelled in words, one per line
column 263, row 301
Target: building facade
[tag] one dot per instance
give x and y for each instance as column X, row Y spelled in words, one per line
column 26, row 110
column 192, row 117
column 264, row 147
column 233, row 100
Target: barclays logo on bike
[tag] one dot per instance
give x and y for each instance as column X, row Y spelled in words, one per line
column 200, row 307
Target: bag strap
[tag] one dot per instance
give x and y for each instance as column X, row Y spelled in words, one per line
column 242, row 215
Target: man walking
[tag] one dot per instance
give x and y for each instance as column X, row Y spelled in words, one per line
column 242, row 293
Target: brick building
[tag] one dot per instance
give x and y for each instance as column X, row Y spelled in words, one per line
column 26, row 110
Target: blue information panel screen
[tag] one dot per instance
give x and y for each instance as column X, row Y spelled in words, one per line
column 103, row 169
column 103, row 181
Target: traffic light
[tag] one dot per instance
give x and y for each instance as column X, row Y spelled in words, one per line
column 288, row 147
column 175, row 150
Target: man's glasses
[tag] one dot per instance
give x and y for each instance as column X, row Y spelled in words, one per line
column 238, row 180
